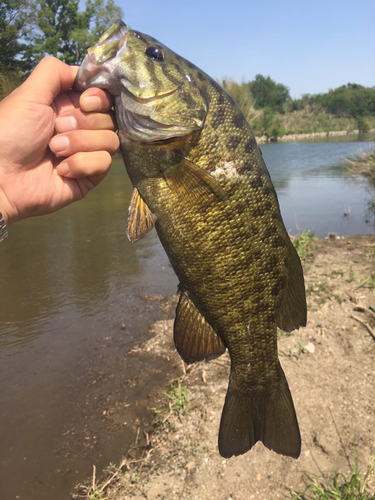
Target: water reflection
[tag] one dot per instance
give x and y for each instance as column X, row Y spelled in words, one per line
column 313, row 192
column 77, row 258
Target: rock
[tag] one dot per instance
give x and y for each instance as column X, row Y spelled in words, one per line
column 310, row 347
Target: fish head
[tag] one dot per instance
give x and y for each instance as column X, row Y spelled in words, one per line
column 155, row 94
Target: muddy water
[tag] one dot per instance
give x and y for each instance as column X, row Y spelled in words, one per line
column 73, row 301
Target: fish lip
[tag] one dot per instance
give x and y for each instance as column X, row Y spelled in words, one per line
column 146, row 100
column 91, row 65
column 86, row 72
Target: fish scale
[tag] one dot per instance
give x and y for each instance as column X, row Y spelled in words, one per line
column 200, row 178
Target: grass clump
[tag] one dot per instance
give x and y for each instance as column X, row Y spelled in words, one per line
column 362, row 164
column 307, row 121
column 340, row 487
column 177, row 398
column 304, row 243
column 177, row 402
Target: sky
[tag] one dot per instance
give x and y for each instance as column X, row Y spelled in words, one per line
column 309, row 46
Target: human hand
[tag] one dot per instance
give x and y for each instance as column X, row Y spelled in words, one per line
column 55, row 144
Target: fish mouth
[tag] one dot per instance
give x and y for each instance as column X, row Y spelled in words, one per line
column 101, row 59
column 146, row 100
column 100, row 64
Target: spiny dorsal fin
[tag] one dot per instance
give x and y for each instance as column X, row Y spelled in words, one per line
column 140, row 218
column 293, row 312
column 194, row 338
column 191, row 181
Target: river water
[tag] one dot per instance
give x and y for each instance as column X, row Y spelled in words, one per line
column 73, row 301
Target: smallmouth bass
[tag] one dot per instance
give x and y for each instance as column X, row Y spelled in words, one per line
column 200, row 179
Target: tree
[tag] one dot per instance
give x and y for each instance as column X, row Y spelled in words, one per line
column 65, row 32
column 16, row 17
column 350, row 100
column 105, row 14
column 267, row 93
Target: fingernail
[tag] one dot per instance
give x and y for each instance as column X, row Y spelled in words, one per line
column 65, row 124
column 59, row 143
column 91, row 103
column 62, row 168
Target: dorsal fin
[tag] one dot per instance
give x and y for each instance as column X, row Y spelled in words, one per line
column 194, row 338
column 140, row 218
column 192, row 181
column 293, row 312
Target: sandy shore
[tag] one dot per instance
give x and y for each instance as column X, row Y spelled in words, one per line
column 330, row 366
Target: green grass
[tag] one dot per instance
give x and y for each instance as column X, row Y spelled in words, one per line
column 296, row 351
column 340, row 487
column 307, row 121
column 177, row 401
column 305, row 243
column 351, row 274
column 177, row 398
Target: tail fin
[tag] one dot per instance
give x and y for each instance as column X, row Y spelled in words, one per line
column 269, row 417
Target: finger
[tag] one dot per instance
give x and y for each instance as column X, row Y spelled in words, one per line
column 63, row 103
column 66, row 101
column 77, row 141
column 85, row 165
column 48, row 79
column 78, row 120
column 94, row 99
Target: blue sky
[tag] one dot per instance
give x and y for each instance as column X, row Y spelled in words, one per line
column 308, row 46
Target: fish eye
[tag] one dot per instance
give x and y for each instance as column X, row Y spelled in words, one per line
column 155, row 53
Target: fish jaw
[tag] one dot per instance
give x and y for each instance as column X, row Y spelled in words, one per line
column 98, row 67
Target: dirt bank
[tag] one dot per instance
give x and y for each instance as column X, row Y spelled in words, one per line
column 330, row 366
column 301, row 137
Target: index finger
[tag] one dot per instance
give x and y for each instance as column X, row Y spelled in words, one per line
column 50, row 77
column 95, row 99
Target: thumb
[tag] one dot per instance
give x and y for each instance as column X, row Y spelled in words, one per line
column 48, row 79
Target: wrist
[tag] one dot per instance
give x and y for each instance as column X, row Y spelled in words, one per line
column 6, row 210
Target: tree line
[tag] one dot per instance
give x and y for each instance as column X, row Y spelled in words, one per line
column 264, row 101
column 350, row 100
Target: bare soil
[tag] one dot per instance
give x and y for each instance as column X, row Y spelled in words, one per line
column 330, row 366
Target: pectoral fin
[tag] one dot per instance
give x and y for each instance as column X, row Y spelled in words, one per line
column 194, row 338
column 140, row 218
column 191, row 181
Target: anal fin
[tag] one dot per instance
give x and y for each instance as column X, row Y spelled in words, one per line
column 140, row 218
column 194, row 338
column 293, row 311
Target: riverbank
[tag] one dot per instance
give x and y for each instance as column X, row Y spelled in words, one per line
column 330, row 369
column 313, row 135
